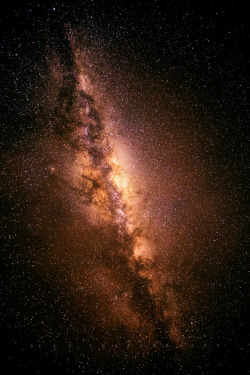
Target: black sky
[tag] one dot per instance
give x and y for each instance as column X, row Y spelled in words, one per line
column 177, row 76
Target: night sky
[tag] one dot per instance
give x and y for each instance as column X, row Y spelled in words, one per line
column 124, row 187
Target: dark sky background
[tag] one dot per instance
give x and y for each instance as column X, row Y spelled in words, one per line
column 175, row 76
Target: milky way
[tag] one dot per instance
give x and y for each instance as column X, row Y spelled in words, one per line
column 124, row 204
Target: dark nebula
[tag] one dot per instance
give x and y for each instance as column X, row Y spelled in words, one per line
column 124, row 190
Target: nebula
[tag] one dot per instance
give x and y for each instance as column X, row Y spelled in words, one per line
column 126, row 275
